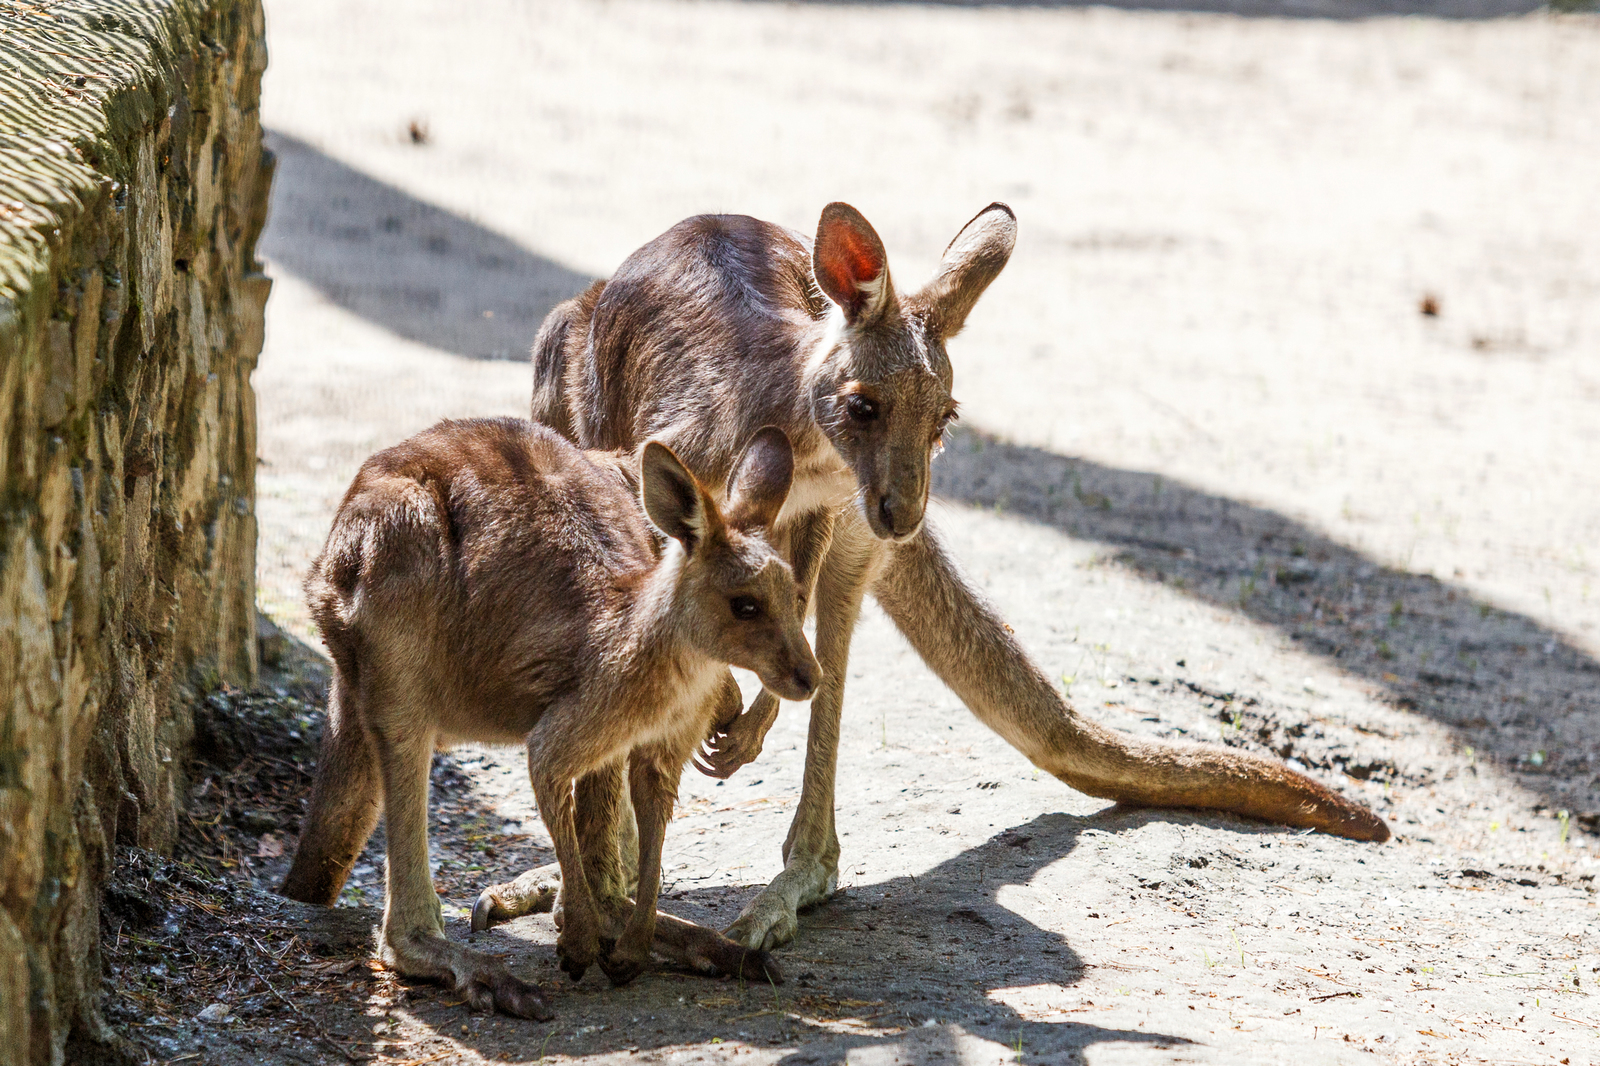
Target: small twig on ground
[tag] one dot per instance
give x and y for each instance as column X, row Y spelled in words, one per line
column 1334, row 995
column 322, row 1034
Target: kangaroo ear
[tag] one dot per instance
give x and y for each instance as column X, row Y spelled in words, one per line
column 851, row 265
column 672, row 498
column 973, row 260
column 761, row 481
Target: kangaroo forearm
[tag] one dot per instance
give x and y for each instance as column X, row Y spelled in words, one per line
column 810, row 545
column 967, row 645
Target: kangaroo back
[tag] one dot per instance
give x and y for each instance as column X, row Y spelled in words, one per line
column 696, row 341
column 559, row 344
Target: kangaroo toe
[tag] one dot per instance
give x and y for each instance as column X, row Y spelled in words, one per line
column 520, row 999
column 764, row 928
column 619, row 969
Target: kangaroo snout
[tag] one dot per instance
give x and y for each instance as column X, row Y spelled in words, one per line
column 797, row 676
column 897, row 515
column 899, row 521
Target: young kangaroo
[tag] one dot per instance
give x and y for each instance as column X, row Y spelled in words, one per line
column 486, row 580
column 725, row 323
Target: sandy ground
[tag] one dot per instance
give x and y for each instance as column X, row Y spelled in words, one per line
column 1218, row 470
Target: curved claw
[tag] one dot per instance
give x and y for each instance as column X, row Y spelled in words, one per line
column 737, row 742
column 483, row 911
column 715, row 761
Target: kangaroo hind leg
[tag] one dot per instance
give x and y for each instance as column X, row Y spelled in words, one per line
column 412, row 939
column 344, row 804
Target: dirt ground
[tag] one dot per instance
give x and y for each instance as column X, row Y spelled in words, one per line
column 1219, row 470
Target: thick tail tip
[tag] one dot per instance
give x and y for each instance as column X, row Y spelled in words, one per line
column 1364, row 825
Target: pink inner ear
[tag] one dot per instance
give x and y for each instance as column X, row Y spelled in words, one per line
column 849, row 258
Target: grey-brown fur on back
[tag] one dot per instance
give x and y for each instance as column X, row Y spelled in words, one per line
column 718, row 305
column 560, row 341
column 424, row 532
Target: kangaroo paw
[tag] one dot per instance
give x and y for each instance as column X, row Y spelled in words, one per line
column 534, row 892
column 485, row 980
column 621, row 969
column 577, row 951
column 737, row 743
column 496, row 988
column 767, row 926
column 710, row 952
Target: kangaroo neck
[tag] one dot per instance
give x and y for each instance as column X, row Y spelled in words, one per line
column 822, row 478
column 646, row 644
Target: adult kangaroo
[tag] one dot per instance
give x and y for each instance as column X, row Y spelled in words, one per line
column 726, row 323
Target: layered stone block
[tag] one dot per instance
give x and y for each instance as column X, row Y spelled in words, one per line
column 133, row 185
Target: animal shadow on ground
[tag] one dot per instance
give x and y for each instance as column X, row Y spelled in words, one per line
column 404, row 264
column 1332, row 10
column 906, row 965
column 873, row 965
column 1515, row 691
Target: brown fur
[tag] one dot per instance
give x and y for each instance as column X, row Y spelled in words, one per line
column 726, row 322
column 487, row 581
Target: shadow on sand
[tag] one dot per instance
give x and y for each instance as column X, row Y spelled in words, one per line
column 404, row 264
column 1515, row 690
column 874, row 965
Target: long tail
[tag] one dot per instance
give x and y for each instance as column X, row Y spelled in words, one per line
column 561, row 337
column 968, row 646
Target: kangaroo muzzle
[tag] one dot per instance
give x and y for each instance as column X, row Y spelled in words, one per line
column 796, row 677
column 899, row 510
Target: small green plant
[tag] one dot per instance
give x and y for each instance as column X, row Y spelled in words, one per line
column 1205, row 957
column 1384, row 651
column 1565, row 820
column 1397, row 612
column 1017, row 1047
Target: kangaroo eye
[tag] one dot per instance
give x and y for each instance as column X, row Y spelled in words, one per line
column 745, row 608
column 861, row 409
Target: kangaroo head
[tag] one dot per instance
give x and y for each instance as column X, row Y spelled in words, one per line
column 736, row 597
column 880, row 383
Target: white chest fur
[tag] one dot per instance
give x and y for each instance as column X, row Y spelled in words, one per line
column 821, row 481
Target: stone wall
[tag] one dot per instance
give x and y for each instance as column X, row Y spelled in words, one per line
column 133, row 185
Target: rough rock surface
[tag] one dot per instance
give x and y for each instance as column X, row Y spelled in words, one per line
column 132, row 188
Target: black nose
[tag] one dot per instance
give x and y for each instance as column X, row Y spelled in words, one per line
column 804, row 679
column 886, row 515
